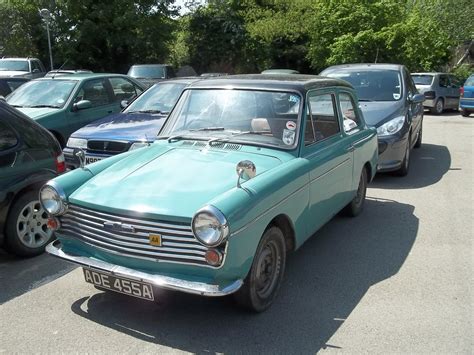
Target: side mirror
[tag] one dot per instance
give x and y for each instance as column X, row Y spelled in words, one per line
column 124, row 103
column 82, row 105
column 417, row 98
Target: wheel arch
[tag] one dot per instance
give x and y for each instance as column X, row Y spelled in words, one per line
column 285, row 224
column 59, row 137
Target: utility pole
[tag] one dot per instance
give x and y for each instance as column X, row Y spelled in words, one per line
column 46, row 16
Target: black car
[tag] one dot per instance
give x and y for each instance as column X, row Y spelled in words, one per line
column 29, row 156
column 391, row 103
column 7, row 85
column 149, row 74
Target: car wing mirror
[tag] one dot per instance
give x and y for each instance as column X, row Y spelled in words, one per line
column 417, row 98
column 82, row 105
column 124, row 103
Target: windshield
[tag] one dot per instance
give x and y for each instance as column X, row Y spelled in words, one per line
column 19, row 65
column 469, row 81
column 422, row 79
column 42, row 93
column 154, row 71
column 246, row 116
column 160, row 98
column 372, row 85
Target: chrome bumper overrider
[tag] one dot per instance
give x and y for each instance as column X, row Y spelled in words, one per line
column 165, row 282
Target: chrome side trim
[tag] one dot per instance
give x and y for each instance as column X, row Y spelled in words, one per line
column 160, row 281
column 363, row 139
column 287, row 197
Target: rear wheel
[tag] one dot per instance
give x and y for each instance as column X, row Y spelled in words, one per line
column 266, row 274
column 27, row 233
column 464, row 112
column 355, row 207
column 438, row 107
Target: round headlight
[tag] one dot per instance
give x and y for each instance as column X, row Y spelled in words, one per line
column 53, row 199
column 210, row 226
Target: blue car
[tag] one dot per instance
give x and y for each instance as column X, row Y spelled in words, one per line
column 135, row 127
column 466, row 103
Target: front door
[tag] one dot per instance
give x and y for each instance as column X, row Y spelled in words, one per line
column 102, row 104
column 329, row 157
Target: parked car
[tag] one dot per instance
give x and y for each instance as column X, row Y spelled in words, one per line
column 29, row 157
column 466, row 104
column 245, row 169
column 441, row 91
column 30, row 68
column 213, row 75
column 280, row 71
column 59, row 72
column 149, row 74
column 391, row 103
column 7, row 85
column 135, row 127
column 69, row 102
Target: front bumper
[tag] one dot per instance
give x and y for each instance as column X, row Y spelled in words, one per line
column 160, row 281
column 391, row 153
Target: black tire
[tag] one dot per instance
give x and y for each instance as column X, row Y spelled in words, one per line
column 420, row 136
column 438, row 107
column 266, row 274
column 464, row 112
column 26, row 230
column 355, row 207
column 403, row 171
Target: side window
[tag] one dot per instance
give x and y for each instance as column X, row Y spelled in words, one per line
column 123, row 89
column 351, row 120
column 443, row 81
column 322, row 110
column 35, row 66
column 410, row 85
column 8, row 138
column 455, row 82
column 95, row 92
column 170, row 72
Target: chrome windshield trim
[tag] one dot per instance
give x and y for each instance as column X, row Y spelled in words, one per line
column 165, row 282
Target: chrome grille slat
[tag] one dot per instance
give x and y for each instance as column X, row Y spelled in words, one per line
column 128, row 219
column 178, row 244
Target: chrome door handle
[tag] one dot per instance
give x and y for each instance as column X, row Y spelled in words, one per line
column 350, row 148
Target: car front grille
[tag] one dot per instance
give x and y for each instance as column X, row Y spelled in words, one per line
column 107, row 147
column 131, row 237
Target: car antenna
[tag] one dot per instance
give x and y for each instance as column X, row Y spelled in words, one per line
column 57, row 70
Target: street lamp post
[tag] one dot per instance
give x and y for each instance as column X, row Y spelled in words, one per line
column 46, row 16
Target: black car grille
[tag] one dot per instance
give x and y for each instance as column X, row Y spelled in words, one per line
column 107, row 147
column 178, row 242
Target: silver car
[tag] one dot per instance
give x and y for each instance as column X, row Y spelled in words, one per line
column 441, row 90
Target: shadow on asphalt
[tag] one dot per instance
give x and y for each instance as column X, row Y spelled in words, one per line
column 20, row 275
column 428, row 165
column 325, row 280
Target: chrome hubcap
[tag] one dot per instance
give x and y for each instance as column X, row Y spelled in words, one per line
column 31, row 226
column 268, row 269
column 439, row 106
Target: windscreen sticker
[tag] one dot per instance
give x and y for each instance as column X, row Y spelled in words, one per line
column 396, row 96
column 294, row 98
column 291, row 125
column 288, row 137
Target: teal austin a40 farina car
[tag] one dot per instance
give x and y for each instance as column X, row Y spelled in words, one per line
column 244, row 171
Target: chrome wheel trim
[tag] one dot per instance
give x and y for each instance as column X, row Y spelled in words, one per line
column 268, row 270
column 439, row 106
column 31, row 225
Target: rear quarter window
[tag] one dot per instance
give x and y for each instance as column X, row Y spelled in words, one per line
column 8, row 138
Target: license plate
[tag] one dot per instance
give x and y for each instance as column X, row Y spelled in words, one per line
column 90, row 160
column 119, row 284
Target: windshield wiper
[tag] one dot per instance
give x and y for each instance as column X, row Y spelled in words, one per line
column 242, row 133
column 16, row 105
column 42, row 106
column 365, row 100
column 206, row 129
column 150, row 111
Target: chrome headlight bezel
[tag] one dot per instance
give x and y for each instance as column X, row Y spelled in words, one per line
column 391, row 127
column 80, row 143
column 216, row 224
column 57, row 196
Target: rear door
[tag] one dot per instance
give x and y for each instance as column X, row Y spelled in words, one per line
column 454, row 86
column 102, row 104
column 329, row 154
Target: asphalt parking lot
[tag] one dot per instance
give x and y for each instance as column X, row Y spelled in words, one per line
column 398, row 278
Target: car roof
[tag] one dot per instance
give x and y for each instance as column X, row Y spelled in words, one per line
column 83, row 76
column 376, row 66
column 294, row 82
column 19, row 58
column 430, row 73
column 151, row 65
column 183, row 80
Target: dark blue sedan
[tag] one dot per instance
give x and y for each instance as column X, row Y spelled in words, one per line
column 134, row 127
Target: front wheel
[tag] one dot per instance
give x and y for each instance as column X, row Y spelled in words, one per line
column 354, row 208
column 26, row 232
column 403, row 171
column 420, row 137
column 266, row 274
